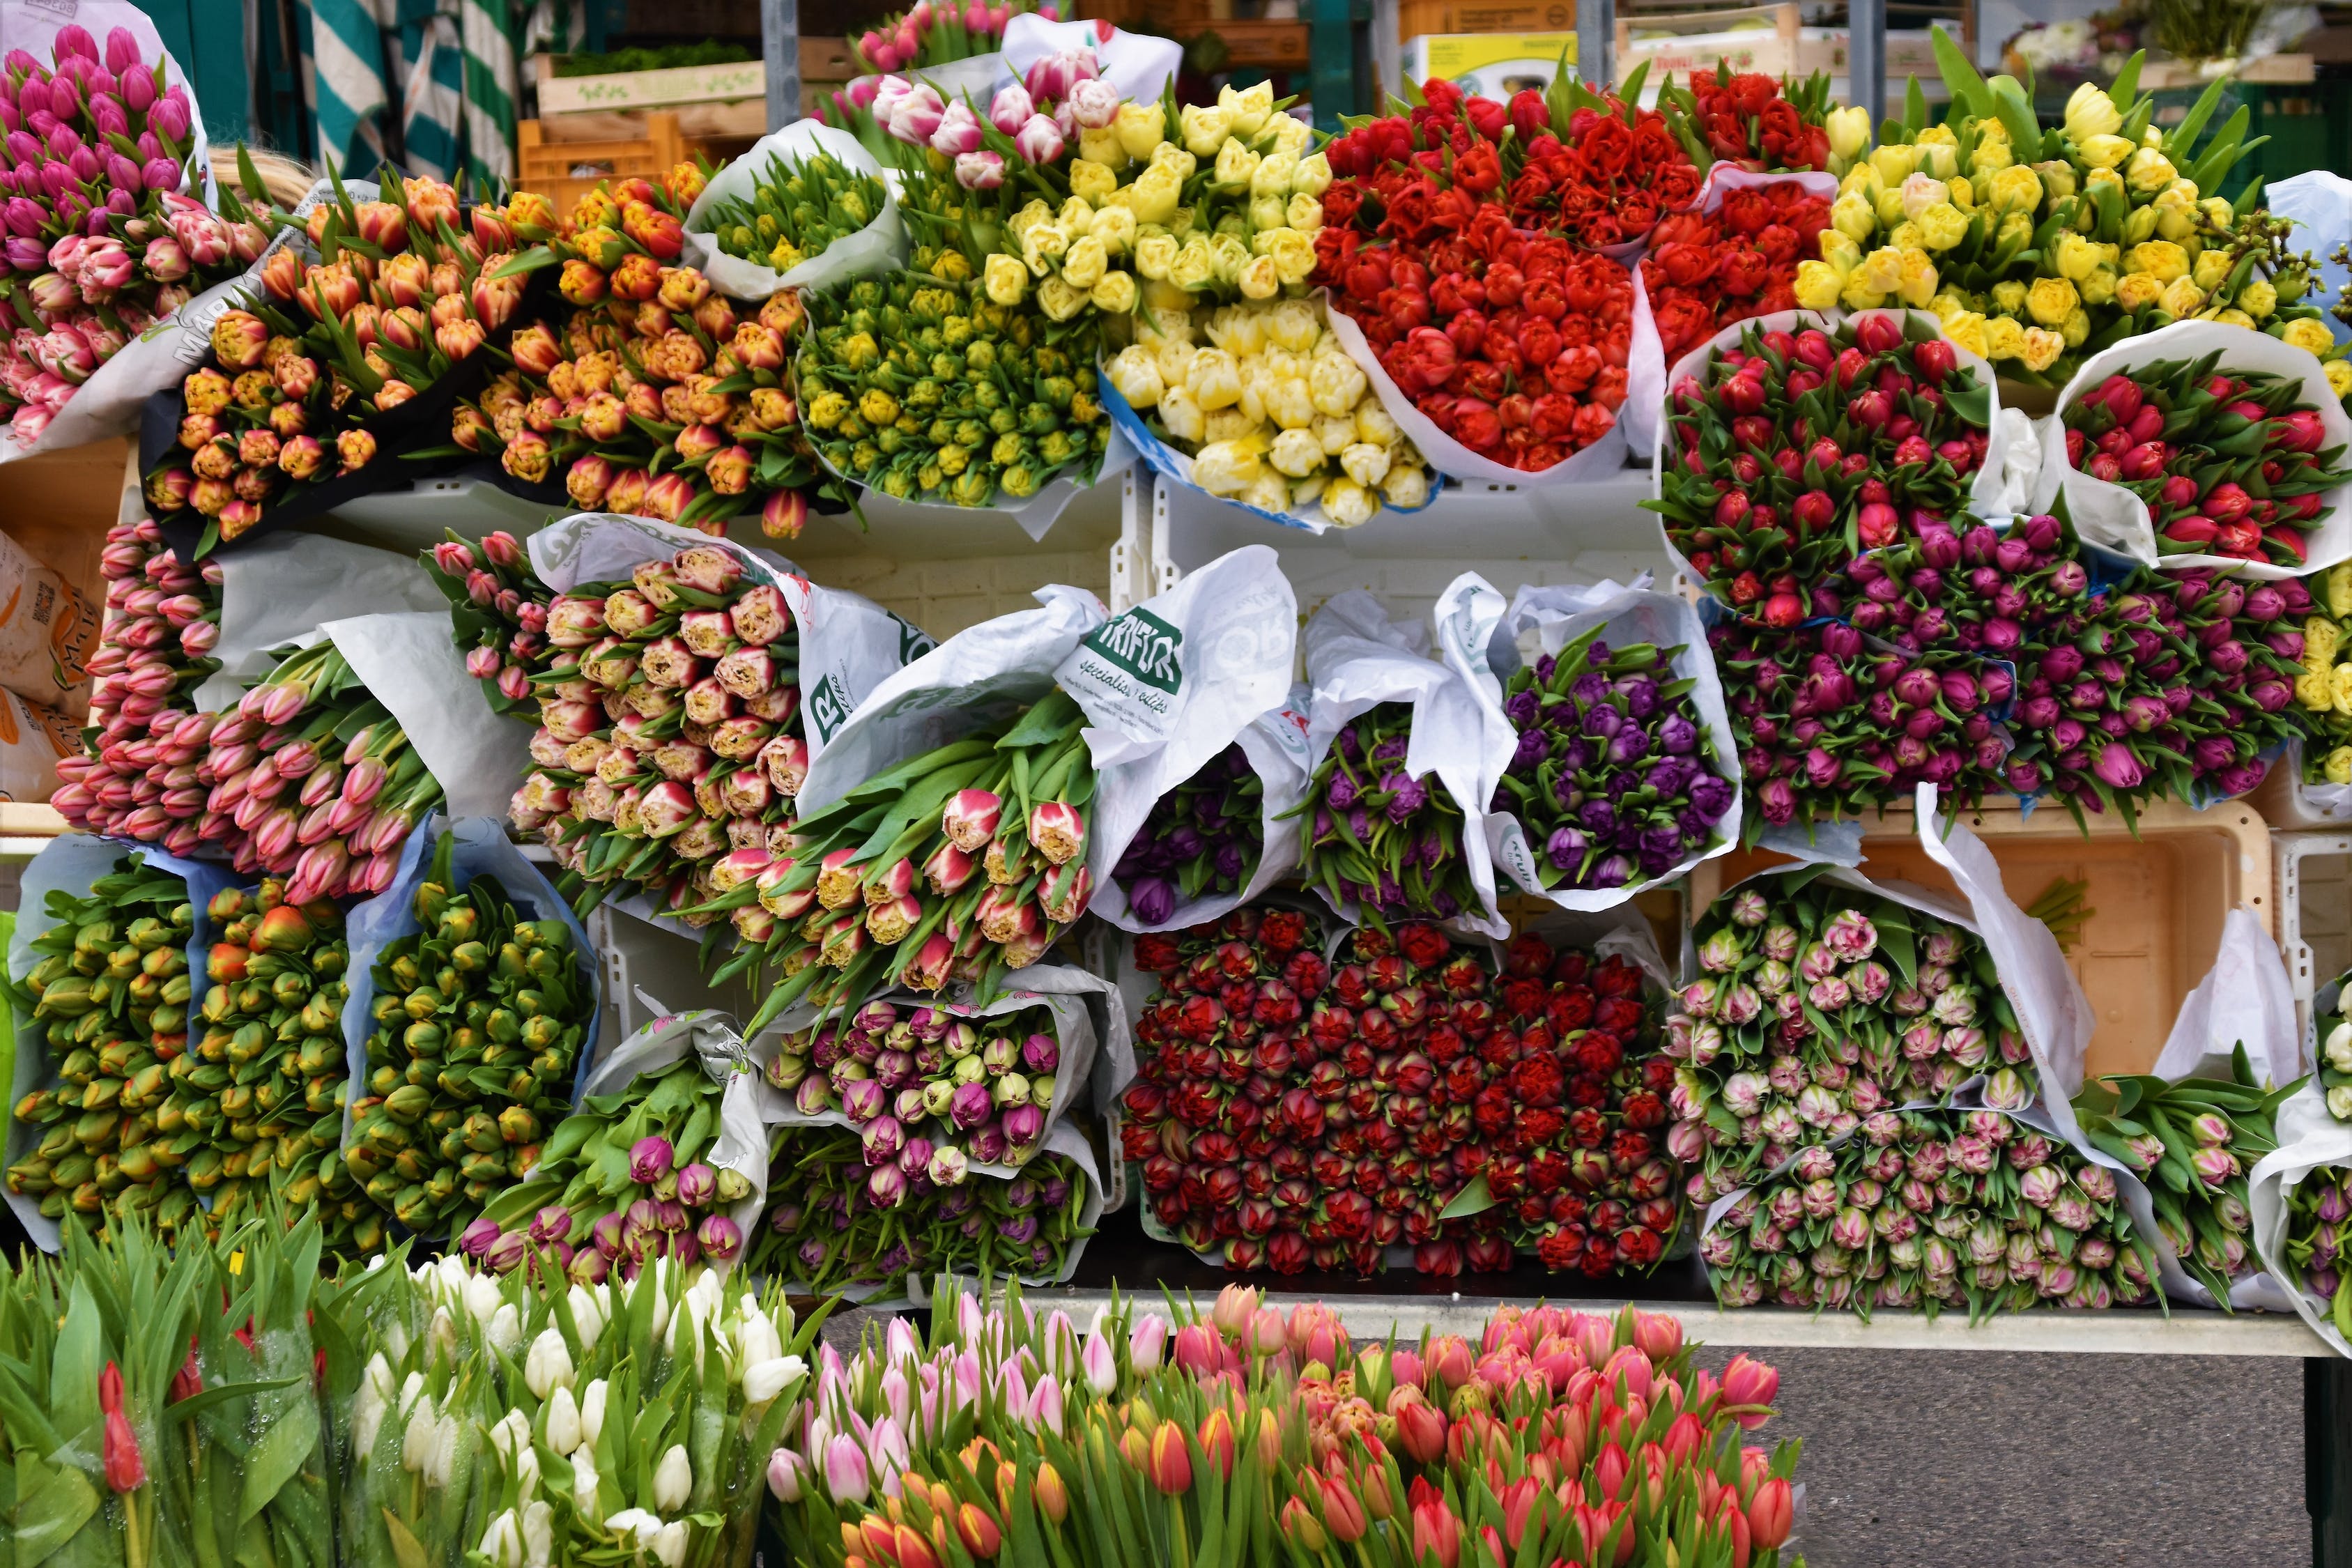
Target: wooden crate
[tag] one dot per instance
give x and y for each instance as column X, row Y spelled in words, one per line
column 565, row 171
column 828, row 60
column 1422, row 18
column 1268, row 45
column 2282, row 68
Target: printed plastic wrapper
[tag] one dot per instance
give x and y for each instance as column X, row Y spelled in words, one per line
column 2112, row 516
column 282, row 588
column 1356, row 660
column 48, row 629
column 880, row 245
column 848, row 643
column 70, row 864
column 2309, row 1139
column 32, row 740
column 980, row 676
column 2320, row 203
column 1166, row 687
column 742, row 1144
column 1541, row 622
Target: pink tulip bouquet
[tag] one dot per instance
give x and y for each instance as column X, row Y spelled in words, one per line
column 498, row 610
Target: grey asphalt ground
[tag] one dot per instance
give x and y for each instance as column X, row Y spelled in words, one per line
column 1913, row 1459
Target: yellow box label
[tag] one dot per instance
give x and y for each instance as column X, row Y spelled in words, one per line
column 1452, row 55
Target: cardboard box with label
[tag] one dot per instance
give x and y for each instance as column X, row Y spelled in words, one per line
column 1491, row 65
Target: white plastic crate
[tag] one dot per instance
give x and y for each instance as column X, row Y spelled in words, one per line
column 2314, row 914
column 2288, row 807
column 1576, row 534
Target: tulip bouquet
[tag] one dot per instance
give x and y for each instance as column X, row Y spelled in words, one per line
column 98, row 235
column 839, row 1218
column 1272, row 411
column 2322, row 690
column 1830, row 728
column 1203, row 839
column 845, row 916
column 1381, row 840
column 1290, row 1114
column 1273, row 1441
column 1787, row 455
column 1614, row 775
column 669, row 730
column 479, row 1016
column 1821, row 1008
column 2039, row 247
column 2229, row 463
column 624, row 1178
column 919, row 385
column 2182, row 688
column 1750, row 121
column 800, row 210
column 255, row 1105
column 2192, row 1142
column 915, row 1081
column 2004, row 594
column 153, row 650
column 2319, row 1238
column 1704, row 270
column 2335, row 1056
column 1932, row 1210
column 311, row 778
column 108, row 996
column 936, row 34
column 523, row 1420
column 498, row 611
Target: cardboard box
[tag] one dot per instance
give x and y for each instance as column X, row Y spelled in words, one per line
column 1781, row 48
column 1493, row 65
column 1432, row 18
column 2280, row 68
column 653, row 90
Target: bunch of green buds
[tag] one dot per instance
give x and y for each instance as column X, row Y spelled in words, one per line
column 2319, row 1238
column 920, row 388
column 626, row 1179
column 669, row 731
column 884, row 888
column 1381, row 838
column 917, row 1081
column 1818, row 1006
column 2192, row 1142
column 1928, row 1210
column 525, row 1420
column 497, row 613
column 835, row 1220
column 479, row 1017
column 801, row 208
column 256, row 1100
column 108, row 997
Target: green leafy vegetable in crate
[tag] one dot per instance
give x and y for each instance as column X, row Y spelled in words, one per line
column 919, row 384
column 802, row 207
column 479, row 1018
column 109, row 998
column 257, row 1103
column 2192, row 1142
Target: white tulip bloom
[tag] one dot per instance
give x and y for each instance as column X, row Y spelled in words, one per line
column 588, row 1315
column 560, row 1421
column 527, row 1471
column 481, row 1298
column 417, row 1438
column 539, row 1536
column 442, row 1334
column 669, row 1545
column 592, row 1413
column 445, row 1452
column 673, row 1479
column 548, row 1366
column 636, row 1524
column 502, row 1542
column 583, row 1479
column 763, row 1380
column 504, row 1330
column 756, row 1339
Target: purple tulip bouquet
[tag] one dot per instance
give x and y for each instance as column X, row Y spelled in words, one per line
column 1614, row 778
column 1380, row 838
column 840, row 1218
column 100, row 243
column 1818, row 1006
column 1927, row 1211
column 1831, row 727
column 921, row 1084
column 2319, row 1239
column 1203, row 839
column 624, row 1178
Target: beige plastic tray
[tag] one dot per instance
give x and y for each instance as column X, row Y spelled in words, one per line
column 2159, row 899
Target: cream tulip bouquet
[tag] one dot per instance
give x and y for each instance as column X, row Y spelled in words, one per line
column 522, row 1421
column 2040, row 246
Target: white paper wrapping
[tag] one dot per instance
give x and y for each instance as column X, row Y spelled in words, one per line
column 878, row 247
column 2308, row 1138
column 982, row 676
column 410, row 664
column 1356, row 660
column 284, row 586
column 1140, row 65
column 1166, row 687
column 2114, row 517
column 70, row 863
column 1541, row 622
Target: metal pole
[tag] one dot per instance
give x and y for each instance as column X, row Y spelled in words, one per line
column 780, row 43
column 1865, row 57
column 1596, row 41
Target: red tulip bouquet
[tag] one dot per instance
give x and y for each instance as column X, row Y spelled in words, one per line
column 1707, row 269
column 1829, row 727
column 1751, row 120
column 1788, row 455
column 2231, row 466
